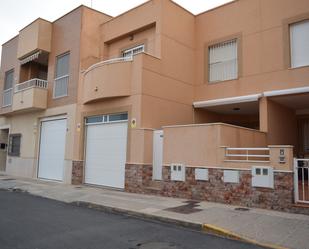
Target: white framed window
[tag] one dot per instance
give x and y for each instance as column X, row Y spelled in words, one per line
column 299, row 44
column 14, row 144
column 262, row 176
column 62, row 75
column 109, row 118
column 133, row 51
column 8, row 88
column 223, row 61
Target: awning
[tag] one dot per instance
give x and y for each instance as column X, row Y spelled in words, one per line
column 30, row 58
column 227, row 101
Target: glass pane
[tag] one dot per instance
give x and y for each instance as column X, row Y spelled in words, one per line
column 299, row 36
column 118, row 117
column 265, row 172
column 257, row 171
column 62, row 65
column 8, row 82
column 94, row 119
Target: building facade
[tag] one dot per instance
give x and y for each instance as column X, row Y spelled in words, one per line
column 157, row 100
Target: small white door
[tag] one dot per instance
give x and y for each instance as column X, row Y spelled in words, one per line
column 157, row 155
column 106, row 147
column 52, row 149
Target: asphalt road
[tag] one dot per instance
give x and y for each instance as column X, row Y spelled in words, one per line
column 30, row 222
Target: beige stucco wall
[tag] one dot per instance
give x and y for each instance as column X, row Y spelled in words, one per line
column 65, row 38
column 262, row 26
column 146, row 37
column 161, row 87
column 282, row 125
column 91, row 36
column 205, row 146
column 28, row 125
column 36, row 36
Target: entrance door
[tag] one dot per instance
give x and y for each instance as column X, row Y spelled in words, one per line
column 157, row 155
column 4, row 137
column 106, row 147
column 52, row 149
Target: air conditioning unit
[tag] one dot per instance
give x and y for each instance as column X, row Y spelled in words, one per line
column 178, row 172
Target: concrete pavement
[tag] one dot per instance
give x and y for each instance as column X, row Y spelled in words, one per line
column 263, row 226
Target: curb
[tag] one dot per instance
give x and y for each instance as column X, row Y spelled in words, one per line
column 207, row 228
column 187, row 224
column 215, row 230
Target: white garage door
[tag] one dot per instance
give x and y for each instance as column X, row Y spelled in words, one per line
column 52, row 148
column 106, row 146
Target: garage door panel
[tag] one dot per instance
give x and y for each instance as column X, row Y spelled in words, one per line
column 106, row 146
column 52, row 149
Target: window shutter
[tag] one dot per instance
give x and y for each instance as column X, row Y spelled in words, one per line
column 299, row 42
column 223, row 63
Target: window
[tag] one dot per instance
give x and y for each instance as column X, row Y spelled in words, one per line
column 133, row 51
column 62, row 75
column 299, row 43
column 223, row 63
column 14, row 144
column 8, row 88
column 107, row 118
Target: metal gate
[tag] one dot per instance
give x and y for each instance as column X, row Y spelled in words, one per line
column 301, row 177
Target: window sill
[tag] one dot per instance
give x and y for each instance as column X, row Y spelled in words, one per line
column 222, row 81
column 59, row 97
column 299, row 67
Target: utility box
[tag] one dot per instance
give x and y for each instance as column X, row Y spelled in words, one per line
column 262, row 176
column 178, row 172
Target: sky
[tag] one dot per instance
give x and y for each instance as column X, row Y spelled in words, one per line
column 16, row 14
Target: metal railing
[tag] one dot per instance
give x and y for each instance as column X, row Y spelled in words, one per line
column 61, row 86
column 39, row 83
column 301, row 180
column 247, row 154
column 110, row 61
column 7, row 97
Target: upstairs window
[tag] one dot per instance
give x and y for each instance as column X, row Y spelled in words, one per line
column 62, row 75
column 223, row 63
column 14, row 145
column 8, row 88
column 133, row 51
column 299, row 44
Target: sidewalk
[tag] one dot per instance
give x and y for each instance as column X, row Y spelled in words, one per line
column 264, row 226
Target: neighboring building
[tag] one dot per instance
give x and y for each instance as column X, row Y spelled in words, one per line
column 158, row 100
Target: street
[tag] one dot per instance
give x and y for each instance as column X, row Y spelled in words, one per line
column 29, row 222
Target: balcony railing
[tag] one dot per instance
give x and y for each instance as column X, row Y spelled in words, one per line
column 7, row 97
column 247, row 154
column 110, row 61
column 30, row 84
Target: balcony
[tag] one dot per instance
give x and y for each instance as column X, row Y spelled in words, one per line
column 34, row 37
column 108, row 79
column 30, row 96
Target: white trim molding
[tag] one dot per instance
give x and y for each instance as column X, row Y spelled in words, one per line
column 287, row 91
column 227, row 101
